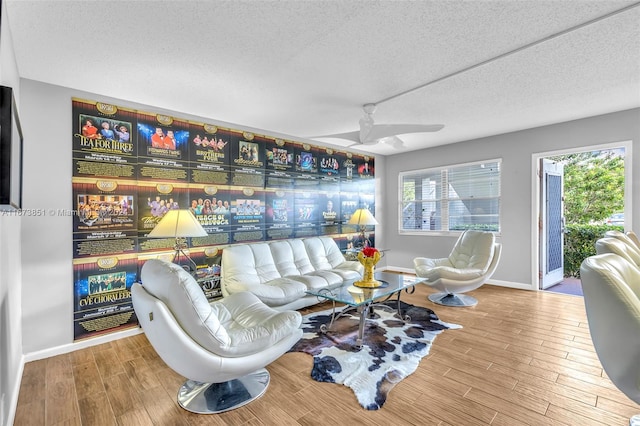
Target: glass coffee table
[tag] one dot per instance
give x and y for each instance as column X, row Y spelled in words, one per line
column 363, row 299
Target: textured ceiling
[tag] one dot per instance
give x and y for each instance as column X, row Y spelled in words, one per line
column 304, row 68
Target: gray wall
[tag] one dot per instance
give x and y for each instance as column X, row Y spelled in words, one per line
column 516, row 150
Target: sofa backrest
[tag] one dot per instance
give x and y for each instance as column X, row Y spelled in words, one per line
column 256, row 263
column 323, row 252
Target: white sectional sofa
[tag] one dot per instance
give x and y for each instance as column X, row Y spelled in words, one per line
column 279, row 272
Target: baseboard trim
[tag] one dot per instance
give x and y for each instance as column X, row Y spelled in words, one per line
column 63, row 349
column 500, row 283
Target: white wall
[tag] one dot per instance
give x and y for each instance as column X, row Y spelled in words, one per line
column 11, row 363
column 517, row 213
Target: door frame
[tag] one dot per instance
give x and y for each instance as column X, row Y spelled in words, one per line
column 536, row 195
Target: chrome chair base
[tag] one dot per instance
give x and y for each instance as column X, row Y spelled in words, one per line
column 212, row 398
column 449, row 299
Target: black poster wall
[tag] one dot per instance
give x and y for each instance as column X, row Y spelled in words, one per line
column 131, row 167
column 103, row 142
column 163, row 147
column 209, row 154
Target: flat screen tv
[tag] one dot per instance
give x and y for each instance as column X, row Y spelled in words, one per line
column 10, row 152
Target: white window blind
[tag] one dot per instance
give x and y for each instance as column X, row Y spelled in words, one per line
column 452, row 198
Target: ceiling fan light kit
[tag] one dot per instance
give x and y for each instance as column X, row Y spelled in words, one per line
column 371, row 133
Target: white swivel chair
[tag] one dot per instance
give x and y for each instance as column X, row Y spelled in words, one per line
column 472, row 261
column 611, row 287
column 221, row 348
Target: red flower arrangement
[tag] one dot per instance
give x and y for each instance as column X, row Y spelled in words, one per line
column 369, row 251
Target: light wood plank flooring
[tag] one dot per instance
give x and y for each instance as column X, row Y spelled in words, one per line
column 521, row 358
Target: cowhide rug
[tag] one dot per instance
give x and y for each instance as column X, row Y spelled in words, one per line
column 391, row 349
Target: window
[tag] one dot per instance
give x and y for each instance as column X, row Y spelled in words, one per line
column 453, row 198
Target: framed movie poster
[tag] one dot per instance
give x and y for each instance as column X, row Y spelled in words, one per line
column 211, row 205
column 306, row 214
column 209, row 154
column 106, row 217
column 104, row 144
column 155, row 199
column 329, row 216
column 247, row 214
column 330, row 169
column 102, row 294
column 279, row 214
column 247, row 159
column 163, row 147
column 279, row 171
column 365, row 167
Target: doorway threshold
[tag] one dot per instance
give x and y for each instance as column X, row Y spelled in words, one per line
column 569, row 285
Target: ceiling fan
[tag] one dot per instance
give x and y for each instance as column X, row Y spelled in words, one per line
column 371, row 134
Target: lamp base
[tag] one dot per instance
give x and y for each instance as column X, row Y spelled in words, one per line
column 367, row 284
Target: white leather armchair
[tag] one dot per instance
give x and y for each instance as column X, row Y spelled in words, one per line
column 221, row 348
column 621, row 247
column 634, row 237
column 611, row 287
column 472, row 261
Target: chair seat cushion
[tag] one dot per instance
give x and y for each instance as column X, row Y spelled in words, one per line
column 451, row 273
column 251, row 325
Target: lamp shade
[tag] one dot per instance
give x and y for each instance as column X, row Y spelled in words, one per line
column 176, row 224
column 362, row 217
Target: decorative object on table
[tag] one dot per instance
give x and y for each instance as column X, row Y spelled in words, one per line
column 363, row 218
column 357, row 294
column 179, row 224
column 391, row 349
column 369, row 256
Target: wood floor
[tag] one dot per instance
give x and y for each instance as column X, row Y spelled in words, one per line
column 521, row 358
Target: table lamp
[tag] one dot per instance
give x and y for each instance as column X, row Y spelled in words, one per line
column 179, row 224
column 362, row 218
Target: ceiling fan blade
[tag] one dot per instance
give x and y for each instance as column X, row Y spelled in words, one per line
column 380, row 131
column 394, row 141
column 351, row 136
